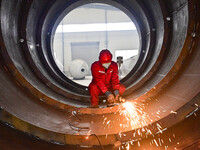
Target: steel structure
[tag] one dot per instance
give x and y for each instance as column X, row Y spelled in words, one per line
column 46, row 108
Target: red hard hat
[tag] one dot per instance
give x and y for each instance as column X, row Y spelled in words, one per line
column 105, row 56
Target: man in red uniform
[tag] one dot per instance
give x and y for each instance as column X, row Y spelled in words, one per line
column 105, row 80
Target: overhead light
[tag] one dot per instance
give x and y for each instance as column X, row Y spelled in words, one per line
column 95, row 27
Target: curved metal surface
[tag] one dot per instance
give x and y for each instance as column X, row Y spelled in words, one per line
column 35, row 98
column 174, row 138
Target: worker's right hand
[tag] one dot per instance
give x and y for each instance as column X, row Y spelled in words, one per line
column 111, row 99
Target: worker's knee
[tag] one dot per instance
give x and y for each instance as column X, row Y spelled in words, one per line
column 121, row 89
column 94, row 89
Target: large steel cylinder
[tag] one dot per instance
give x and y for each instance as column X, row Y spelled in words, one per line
column 37, row 99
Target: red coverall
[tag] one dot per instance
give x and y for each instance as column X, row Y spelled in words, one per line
column 104, row 80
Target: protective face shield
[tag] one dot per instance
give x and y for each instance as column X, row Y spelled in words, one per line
column 106, row 65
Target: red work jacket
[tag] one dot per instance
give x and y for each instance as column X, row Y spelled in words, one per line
column 105, row 78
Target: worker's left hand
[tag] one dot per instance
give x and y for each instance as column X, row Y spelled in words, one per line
column 119, row 99
column 122, row 100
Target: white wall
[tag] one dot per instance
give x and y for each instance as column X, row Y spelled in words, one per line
column 117, row 40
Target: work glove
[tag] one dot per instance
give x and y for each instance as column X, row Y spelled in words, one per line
column 118, row 98
column 122, row 100
column 116, row 92
column 110, row 97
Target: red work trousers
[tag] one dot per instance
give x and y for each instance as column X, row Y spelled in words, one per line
column 95, row 92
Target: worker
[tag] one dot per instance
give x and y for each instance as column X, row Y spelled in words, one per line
column 105, row 80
